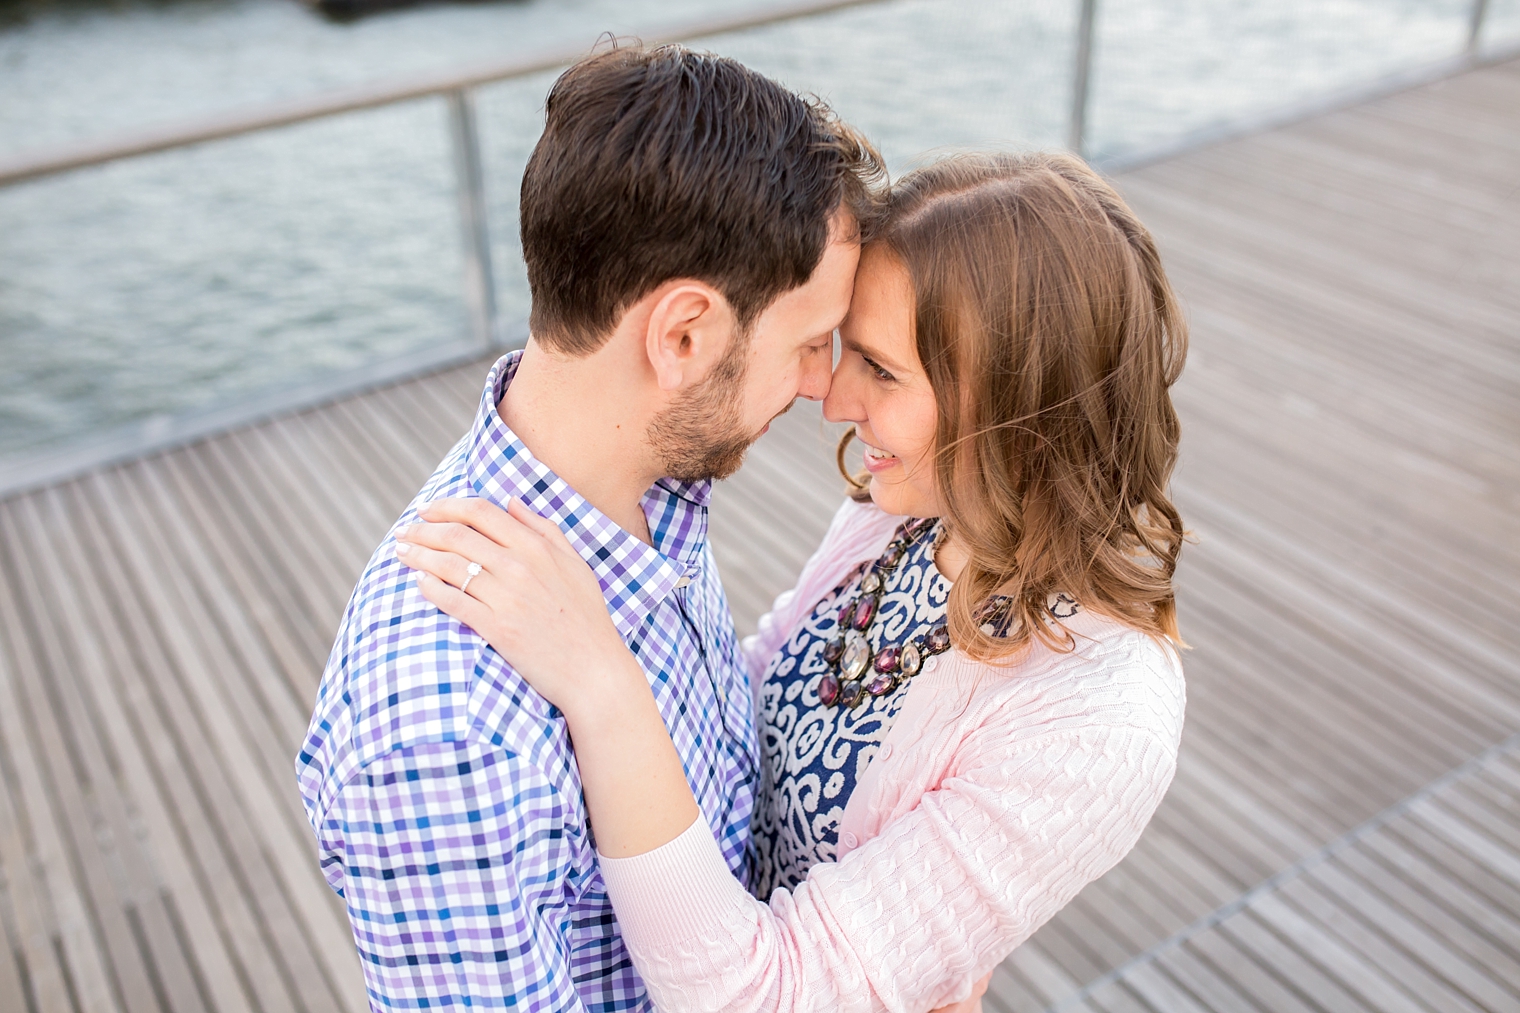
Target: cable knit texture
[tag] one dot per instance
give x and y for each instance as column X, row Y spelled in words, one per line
column 1000, row 792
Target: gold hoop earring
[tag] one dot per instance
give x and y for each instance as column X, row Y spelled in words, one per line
column 859, row 484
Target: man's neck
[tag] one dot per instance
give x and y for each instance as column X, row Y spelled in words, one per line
column 569, row 414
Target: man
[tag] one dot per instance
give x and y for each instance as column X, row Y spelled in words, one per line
column 691, row 233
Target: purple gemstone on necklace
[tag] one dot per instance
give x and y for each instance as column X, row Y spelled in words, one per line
column 881, row 682
column 844, row 613
column 886, row 659
column 891, row 557
column 828, row 691
column 865, row 611
column 938, row 640
column 832, row 650
column 849, row 693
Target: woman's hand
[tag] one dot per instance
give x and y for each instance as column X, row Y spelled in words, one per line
column 534, row 598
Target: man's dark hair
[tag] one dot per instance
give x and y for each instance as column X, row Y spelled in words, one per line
column 661, row 163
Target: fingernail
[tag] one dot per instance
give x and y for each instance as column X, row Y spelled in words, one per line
column 402, row 548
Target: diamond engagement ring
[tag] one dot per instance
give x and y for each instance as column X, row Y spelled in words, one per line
column 471, row 572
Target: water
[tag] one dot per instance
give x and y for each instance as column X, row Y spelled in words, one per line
column 207, row 276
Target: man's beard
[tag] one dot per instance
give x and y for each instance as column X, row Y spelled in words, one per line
column 702, row 435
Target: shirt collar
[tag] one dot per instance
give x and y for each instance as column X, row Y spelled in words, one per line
column 634, row 576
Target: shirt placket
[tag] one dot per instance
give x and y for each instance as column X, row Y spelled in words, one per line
column 733, row 738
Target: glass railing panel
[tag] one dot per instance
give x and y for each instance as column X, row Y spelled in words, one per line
column 1501, row 27
column 511, row 116
column 920, row 76
column 1165, row 70
column 167, row 284
column 182, row 281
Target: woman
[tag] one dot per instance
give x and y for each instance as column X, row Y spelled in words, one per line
column 972, row 699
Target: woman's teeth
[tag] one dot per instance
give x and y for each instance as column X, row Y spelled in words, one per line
column 878, row 454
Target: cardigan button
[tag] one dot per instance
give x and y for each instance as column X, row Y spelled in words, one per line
column 886, row 750
column 848, row 839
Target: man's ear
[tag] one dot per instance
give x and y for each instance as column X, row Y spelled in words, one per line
column 690, row 327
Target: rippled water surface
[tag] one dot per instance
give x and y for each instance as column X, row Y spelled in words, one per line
column 211, row 275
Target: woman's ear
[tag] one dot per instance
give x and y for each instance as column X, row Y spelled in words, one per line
column 690, row 327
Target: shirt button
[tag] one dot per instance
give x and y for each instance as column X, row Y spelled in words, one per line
column 931, row 664
column 848, row 839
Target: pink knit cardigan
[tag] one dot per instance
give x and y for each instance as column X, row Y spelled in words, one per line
column 999, row 792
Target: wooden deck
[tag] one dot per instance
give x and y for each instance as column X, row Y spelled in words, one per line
column 1352, row 472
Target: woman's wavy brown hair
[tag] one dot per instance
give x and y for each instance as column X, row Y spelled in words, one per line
column 1051, row 338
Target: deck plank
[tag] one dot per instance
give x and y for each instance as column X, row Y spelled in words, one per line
column 106, row 746
column 1350, row 467
column 1349, row 925
column 197, row 794
column 75, row 928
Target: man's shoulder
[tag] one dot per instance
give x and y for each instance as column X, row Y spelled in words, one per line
column 403, row 674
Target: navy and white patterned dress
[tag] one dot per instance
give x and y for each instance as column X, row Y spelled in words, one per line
column 813, row 754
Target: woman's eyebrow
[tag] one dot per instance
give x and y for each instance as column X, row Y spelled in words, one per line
column 884, row 361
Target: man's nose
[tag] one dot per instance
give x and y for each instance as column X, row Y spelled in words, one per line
column 815, row 380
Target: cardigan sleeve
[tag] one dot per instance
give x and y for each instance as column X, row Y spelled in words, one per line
column 907, row 921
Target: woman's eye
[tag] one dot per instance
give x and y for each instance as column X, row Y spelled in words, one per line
column 881, row 374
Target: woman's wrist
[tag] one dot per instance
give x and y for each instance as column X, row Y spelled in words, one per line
column 610, row 686
column 632, row 777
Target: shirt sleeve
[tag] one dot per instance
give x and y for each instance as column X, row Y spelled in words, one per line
column 911, row 918
column 452, row 858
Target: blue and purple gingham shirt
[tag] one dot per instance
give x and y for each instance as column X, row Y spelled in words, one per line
column 442, row 788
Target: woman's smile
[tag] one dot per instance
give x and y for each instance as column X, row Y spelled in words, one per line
column 878, row 460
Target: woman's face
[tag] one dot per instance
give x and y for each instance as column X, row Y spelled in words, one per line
column 880, row 386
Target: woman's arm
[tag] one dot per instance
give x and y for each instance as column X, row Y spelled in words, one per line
column 906, row 920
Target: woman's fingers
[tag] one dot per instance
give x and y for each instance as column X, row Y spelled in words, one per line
column 446, row 566
column 481, row 514
column 503, row 528
column 461, row 540
column 468, row 610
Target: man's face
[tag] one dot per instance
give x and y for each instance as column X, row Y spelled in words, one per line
column 788, row 354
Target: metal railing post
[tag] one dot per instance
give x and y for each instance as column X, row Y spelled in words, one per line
column 1475, row 25
column 479, row 284
column 1076, row 136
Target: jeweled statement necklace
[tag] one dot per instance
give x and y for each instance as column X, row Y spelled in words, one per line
column 854, row 672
